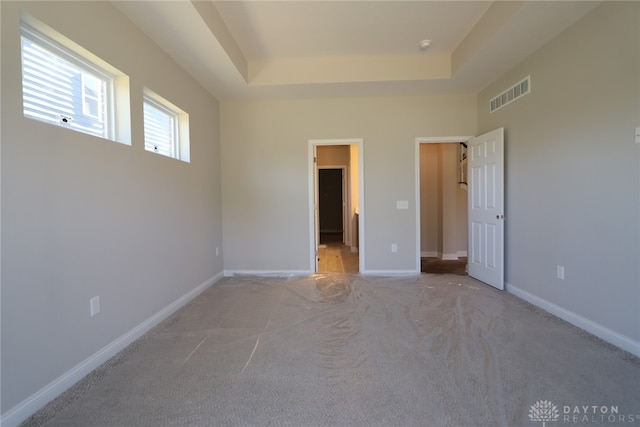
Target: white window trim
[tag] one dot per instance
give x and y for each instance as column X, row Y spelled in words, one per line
column 175, row 145
column 181, row 148
column 117, row 104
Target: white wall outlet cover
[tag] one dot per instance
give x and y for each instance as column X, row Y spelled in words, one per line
column 638, row 135
column 402, row 204
column 94, row 304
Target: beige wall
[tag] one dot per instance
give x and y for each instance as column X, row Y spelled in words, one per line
column 430, row 211
column 265, row 173
column 354, row 173
column 572, row 174
column 85, row 217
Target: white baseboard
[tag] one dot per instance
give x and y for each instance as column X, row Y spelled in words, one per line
column 462, row 254
column 450, row 257
column 390, row 273
column 14, row 416
column 619, row 340
column 429, row 254
column 270, row 273
column 354, row 249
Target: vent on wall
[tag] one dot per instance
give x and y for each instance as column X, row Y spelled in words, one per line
column 520, row 89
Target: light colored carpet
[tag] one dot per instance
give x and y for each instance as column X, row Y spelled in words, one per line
column 346, row 350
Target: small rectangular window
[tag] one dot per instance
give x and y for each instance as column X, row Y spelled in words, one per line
column 165, row 127
column 62, row 88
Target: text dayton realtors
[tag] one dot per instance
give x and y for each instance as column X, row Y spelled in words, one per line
column 596, row 414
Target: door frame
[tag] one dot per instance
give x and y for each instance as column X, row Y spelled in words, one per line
column 428, row 140
column 313, row 178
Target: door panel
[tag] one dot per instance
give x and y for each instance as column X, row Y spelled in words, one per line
column 475, row 255
column 486, row 208
column 491, row 236
column 490, row 171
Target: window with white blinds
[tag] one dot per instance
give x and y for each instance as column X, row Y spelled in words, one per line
column 61, row 88
column 165, row 127
column 160, row 129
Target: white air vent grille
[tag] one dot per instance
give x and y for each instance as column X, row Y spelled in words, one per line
column 520, row 89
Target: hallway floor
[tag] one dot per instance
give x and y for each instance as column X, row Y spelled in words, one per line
column 334, row 256
column 440, row 266
column 337, row 258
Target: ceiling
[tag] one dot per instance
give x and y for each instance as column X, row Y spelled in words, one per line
column 300, row 48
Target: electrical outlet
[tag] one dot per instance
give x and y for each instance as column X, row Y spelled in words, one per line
column 217, row 251
column 394, row 247
column 560, row 272
column 94, row 305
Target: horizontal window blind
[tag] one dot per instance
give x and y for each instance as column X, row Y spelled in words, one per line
column 160, row 129
column 57, row 89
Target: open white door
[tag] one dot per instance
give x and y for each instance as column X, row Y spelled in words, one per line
column 486, row 208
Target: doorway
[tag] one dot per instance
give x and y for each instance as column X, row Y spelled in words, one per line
column 336, row 204
column 442, row 200
column 332, row 204
column 482, row 164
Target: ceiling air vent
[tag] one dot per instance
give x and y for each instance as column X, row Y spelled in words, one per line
column 522, row 88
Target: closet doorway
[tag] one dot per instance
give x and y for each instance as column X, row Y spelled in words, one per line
column 443, row 208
